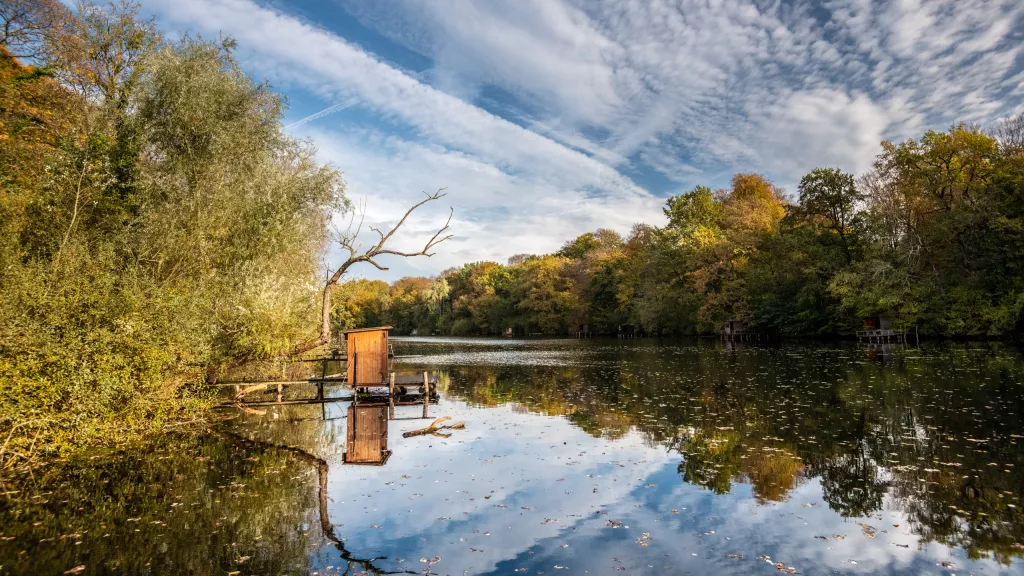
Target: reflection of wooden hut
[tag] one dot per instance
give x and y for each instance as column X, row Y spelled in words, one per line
column 367, row 441
column 368, row 356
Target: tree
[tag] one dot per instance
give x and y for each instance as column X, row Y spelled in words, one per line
column 830, row 194
column 694, row 214
column 348, row 241
column 103, row 55
column 31, row 29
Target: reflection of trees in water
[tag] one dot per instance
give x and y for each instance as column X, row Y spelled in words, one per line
column 327, row 528
column 772, row 417
column 186, row 504
column 203, row 504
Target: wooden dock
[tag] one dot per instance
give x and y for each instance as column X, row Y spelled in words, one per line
column 368, row 374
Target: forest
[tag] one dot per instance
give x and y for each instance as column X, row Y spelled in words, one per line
column 156, row 225
column 931, row 237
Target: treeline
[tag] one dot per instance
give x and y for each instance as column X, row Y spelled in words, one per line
column 932, row 237
column 155, row 223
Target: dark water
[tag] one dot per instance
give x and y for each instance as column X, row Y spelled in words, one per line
column 578, row 457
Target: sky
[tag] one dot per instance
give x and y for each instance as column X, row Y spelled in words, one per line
column 544, row 119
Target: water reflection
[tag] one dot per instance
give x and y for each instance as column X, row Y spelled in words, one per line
column 367, row 439
column 933, row 434
column 584, row 455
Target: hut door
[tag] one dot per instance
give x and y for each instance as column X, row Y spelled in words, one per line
column 367, row 357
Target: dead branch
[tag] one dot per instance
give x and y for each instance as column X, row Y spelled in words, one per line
column 435, row 428
column 356, row 255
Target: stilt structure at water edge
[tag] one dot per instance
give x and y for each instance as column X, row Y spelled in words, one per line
column 581, row 331
column 737, row 330
column 368, row 373
column 879, row 329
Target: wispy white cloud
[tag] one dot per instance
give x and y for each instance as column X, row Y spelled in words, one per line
column 710, row 82
column 591, row 90
column 497, row 213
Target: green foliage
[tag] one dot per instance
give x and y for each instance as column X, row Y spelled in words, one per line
column 932, row 237
column 157, row 224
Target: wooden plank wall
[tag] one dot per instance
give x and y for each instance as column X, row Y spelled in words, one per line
column 367, row 434
column 367, row 354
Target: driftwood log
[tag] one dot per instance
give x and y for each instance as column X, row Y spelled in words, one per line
column 435, row 428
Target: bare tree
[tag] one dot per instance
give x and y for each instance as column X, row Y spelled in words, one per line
column 1010, row 132
column 356, row 255
column 29, row 28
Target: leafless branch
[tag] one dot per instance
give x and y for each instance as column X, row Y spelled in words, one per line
column 356, row 255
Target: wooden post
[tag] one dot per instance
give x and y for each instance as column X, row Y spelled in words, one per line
column 426, row 393
column 391, row 396
column 320, row 384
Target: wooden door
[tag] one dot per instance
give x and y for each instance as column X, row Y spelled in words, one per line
column 367, row 434
column 367, row 357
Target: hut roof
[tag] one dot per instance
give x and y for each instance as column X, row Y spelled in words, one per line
column 376, row 329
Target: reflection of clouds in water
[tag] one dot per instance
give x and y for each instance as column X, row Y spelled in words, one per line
column 432, row 500
column 451, row 351
column 788, row 423
column 526, row 460
column 508, row 358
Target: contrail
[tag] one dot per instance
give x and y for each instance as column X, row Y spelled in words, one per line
column 338, row 107
column 329, row 110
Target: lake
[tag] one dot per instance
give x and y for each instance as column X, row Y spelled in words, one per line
column 577, row 457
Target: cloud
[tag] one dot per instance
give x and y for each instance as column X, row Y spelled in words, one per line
column 532, row 112
column 505, row 180
column 491, row 206
column 689, row 85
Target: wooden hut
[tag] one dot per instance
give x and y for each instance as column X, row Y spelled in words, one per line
column 734, row 328
column 879, row 329
column 877, row 323
column 368, row 356
column 367, row 441
column 737, row 330
column 580, row 331
column 627, row 331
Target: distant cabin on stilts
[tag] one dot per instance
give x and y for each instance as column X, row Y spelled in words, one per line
column 879, row 329
column 737, row 330
column 581, row 331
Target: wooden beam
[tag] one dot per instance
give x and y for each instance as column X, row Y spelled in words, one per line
column 426, row 393
column 391, row 396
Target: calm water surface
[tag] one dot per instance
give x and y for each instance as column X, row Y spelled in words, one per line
column 578, row 457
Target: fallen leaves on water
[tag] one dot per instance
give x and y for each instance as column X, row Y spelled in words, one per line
column 780, row 566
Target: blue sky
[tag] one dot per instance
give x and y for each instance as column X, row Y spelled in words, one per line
column 548, row 118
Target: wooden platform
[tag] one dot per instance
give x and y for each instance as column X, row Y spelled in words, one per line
column 403, row 380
